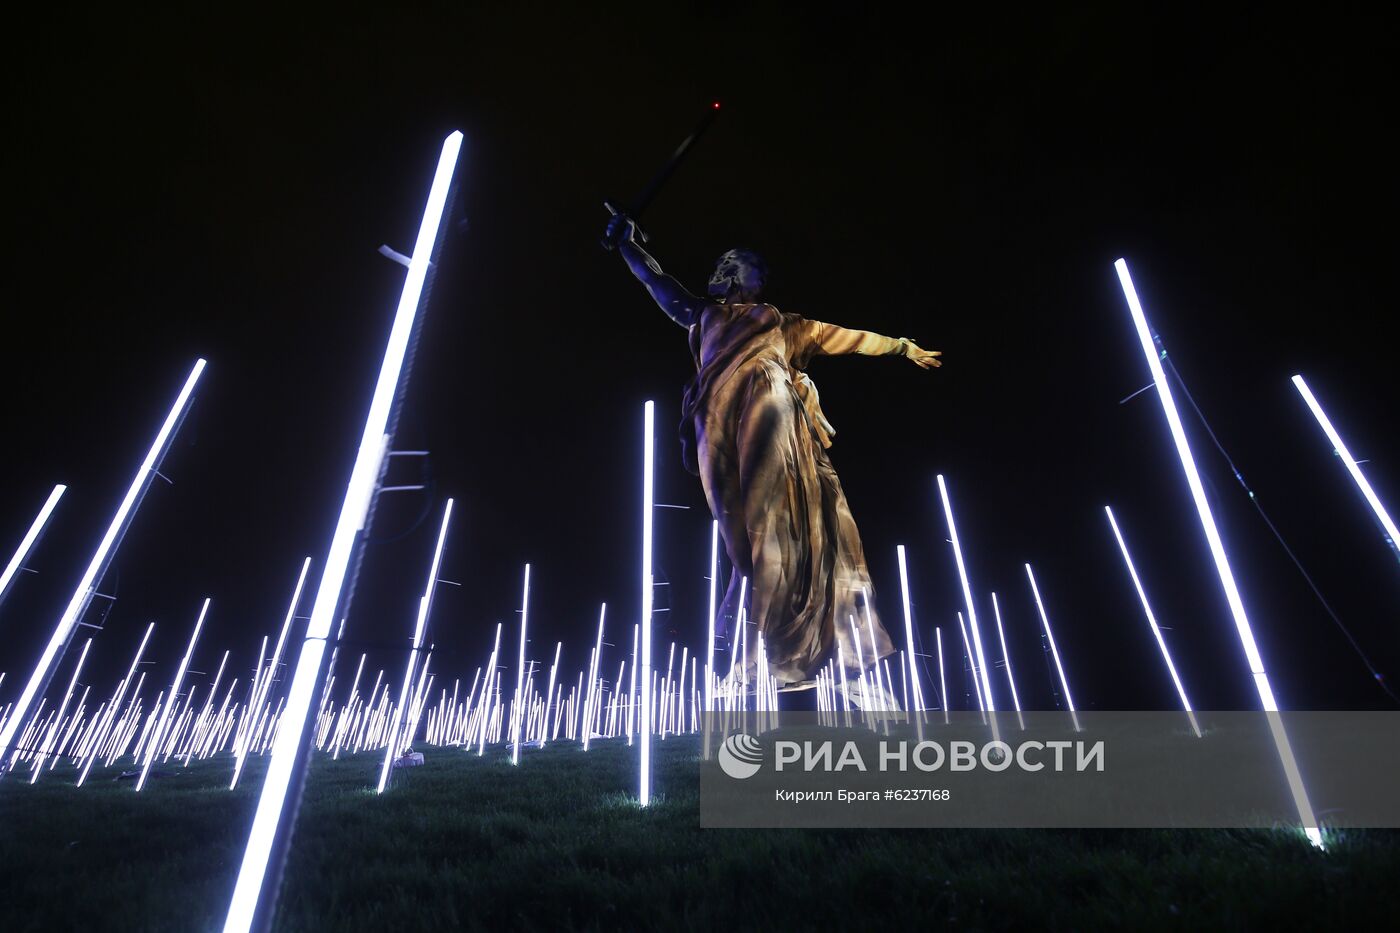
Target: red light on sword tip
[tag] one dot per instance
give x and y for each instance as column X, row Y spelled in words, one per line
column 715, row 105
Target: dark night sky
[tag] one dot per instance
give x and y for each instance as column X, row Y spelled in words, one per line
column 221, row 189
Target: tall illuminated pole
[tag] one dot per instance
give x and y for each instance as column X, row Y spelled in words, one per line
column 632, row 686
column 942, row 690
column 347, row 714
column 710, row 640
column 254, row 893
column 201, row 722
column 909, row 641
column 1222, row 562
column 1392, row 537
column 971, row 608
column 158, row 736
column 548, row 694
column 101, row 559
column 648, row 492
column 874, row 654
column 58, row 720
column 112, row 707
column 1006, row 657
column 30, row 537
column 488, row 692
column 260, row 690
column 425, row 605
column 518, row 712
column 590, row 697
column 1054, row 651
column 972, row 662
column 1152, row 622
column 286, row 627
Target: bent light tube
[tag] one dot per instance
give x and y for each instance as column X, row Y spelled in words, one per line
column 1217, row 552
column 101, row 559
column 359, row 494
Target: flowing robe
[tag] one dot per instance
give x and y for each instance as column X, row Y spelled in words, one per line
column 752, row 427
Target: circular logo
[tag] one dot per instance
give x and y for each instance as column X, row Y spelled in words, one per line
column 740, row 756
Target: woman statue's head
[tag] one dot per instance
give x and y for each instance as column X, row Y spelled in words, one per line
column 739, row 276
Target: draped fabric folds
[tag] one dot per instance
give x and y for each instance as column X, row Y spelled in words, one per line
column 753, row 429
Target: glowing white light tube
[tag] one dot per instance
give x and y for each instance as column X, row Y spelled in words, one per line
column 972, row 661
column 100, row 560
column 359, row 494
column 425, row 604
column 1152, row 621
column 1006, row 657
column 202, row 722
column 518, row 719
column 488, row 692
column 68, row 695
column 1217, row 551
column 590, row 700
column 644, row 737
column 1392, row 536
column 548, row 694
column 971, row 610
column 632, row 686
column 112, row 708
column 710, row 641
column 1055, row 652
column 909, row 640
column 262, row 686
column 942, row 691
column 29, row 538
column 153, row 750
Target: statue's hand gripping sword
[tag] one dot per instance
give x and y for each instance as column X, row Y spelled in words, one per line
column 610, row 240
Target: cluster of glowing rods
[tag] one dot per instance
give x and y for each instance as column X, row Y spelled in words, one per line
column 35, row 732
column 598, row 708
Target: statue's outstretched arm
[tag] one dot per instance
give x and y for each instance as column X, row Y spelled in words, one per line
column 673, row 297
column 832, row 340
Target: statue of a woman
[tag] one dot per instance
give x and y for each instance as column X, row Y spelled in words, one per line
column 751, row 426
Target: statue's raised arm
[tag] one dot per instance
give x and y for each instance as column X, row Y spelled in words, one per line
column 679, row 304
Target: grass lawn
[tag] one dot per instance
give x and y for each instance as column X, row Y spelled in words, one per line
column 557, row 843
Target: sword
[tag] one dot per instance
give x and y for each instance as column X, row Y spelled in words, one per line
column 659, row 179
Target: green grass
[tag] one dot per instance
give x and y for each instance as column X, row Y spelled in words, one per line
column 559, row 843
